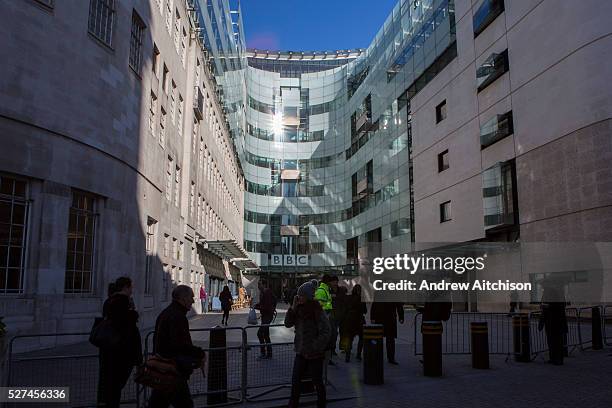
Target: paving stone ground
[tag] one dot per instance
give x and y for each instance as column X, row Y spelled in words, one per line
column 584, row 381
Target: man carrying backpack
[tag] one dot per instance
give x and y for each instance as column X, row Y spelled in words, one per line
column 267, row 309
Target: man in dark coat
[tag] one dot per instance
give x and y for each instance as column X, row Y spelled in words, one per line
column 387, row 314
column 267, row 308
column 172, row 340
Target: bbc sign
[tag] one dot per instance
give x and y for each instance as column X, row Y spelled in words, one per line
column 288, row 260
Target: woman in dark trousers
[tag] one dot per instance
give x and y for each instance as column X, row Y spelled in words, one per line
column 312, row 334
column 226, row 303
column 116, row 364
column 353, row 322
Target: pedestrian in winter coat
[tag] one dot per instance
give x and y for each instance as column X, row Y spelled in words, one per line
column 353, row 322
column 204, row 299
column 172, row 340
column 116, row 364
column 312, row 334
column 226, row 303
column 387, row 314
column 267, row 308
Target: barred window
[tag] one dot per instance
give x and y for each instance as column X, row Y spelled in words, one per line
column 149, row 248
column 138, row 27
column 101, row 20
column 172, row 102
column 13, row 226
column 162, row 128
column 80, row 249
column 179, row 125
column 177, row 186
column 169, row 169
column 152, row 111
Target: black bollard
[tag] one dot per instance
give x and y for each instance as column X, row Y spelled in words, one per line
column 521, row 338
column 432, row 348
column 596, row 328
column 217, row 367
column 480, row 344
column 373, row 368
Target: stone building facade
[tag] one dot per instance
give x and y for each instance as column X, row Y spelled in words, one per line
column 115, row 159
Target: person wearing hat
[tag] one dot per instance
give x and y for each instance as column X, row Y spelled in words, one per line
column 312, row 334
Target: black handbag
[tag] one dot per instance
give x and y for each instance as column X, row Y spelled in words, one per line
column 104, row 334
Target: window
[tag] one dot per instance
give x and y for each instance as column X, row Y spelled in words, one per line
column 441, row 111
column 445, row 211
column 169, row 169
column 172, row 102
column 500, row 195
column 400, row 227
column 197, row 72
column 13, row 227
column 80, row 247
column 183, row 52
column 191, row 198
column 165, row 75
column 169, row 16
column 497, row 128
column 152, row 111
column 149, row 248
column 177, row 32
column 179, row 125
column 138, row 28
column 101, row 20
column 166, row 245
column 486, row 14
column 443, row 161
column 155, row 64
column 175, row 249
column 162, row 127
column 493, row 67
column 165, row 282
column 177, row 186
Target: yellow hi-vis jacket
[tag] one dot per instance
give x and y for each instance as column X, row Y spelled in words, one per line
column 323, row 295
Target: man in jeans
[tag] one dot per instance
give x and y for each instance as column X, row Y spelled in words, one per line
column 203, row 299
column 267, row 308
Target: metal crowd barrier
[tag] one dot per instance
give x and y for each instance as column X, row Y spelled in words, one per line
column 199, row 381
column 69, row 360
column 456, row 332
column 61, row 363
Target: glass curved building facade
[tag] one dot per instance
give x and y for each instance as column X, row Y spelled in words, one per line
column 327, row 143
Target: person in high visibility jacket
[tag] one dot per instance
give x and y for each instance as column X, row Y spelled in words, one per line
column 323, row 294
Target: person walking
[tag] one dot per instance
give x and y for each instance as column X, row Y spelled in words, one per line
column 312, row 334
column 323, row 295
column 204, row 299
column 267, row 309
column 387, row 314
column 116, row 364
column 340, row 308
column 554, row 322
column 226, row 303
column 353, row 322
column 172, row 340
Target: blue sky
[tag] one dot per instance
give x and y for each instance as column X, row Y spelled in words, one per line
column 308, row 25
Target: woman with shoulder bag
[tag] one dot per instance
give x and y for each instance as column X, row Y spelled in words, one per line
column 117, row 362
column 226, row 303
column 312, row 334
